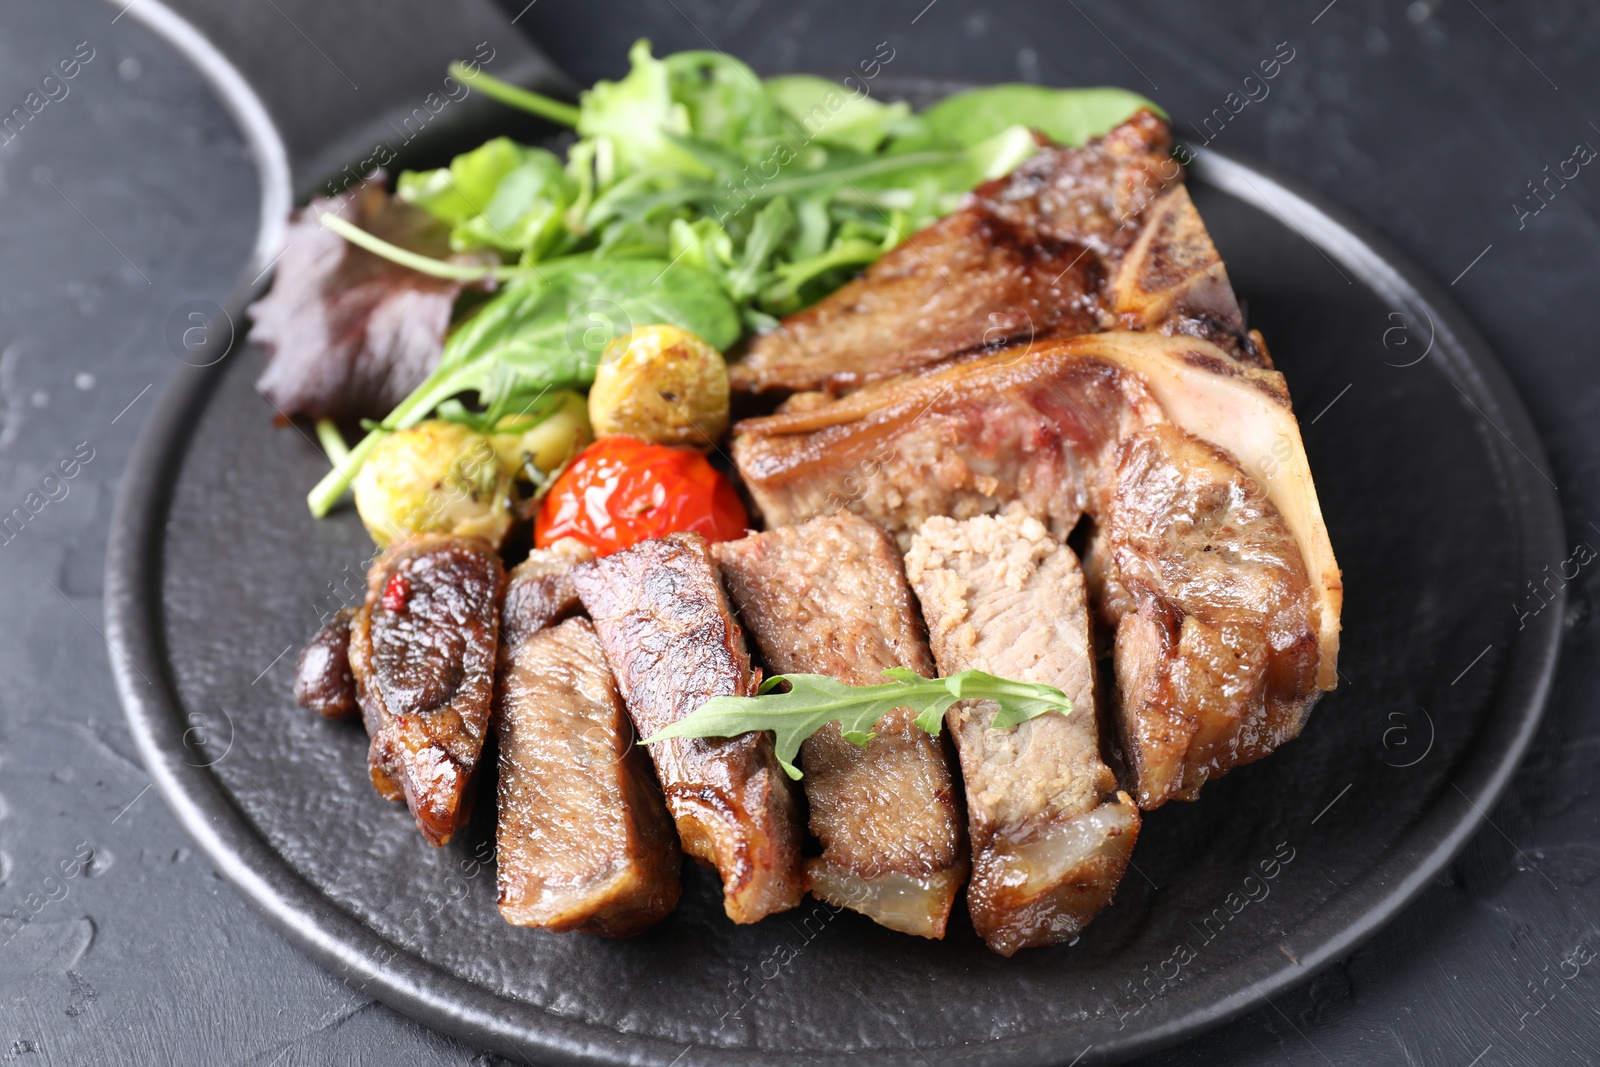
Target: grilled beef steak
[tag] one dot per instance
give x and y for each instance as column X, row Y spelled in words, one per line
column 1075, row 240
column 1044, row 426
column 1205, row 588
column 422, row 649
column 540, row 593
column 829, row 597
column 322, row 679
column 672, row 643
column 1051, row 834
column 585, row 842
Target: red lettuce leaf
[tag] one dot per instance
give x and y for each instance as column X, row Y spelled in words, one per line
column 351, row 334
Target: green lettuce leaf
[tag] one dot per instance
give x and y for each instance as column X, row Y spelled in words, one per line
column 726, row 104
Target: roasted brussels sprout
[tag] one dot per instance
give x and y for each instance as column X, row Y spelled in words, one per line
column 661, row 384
column 436, row 476
column 442, row 476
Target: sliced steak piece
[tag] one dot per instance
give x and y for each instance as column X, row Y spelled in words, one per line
column 422, row 649
column 1216, row 647
column 585, row 842
column 540, row 593
column 673, row 644
column 1051, row 834
column 1075, row 240
column 322, row 679
column 830, row 597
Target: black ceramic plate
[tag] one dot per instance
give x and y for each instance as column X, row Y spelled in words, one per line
column 1431, row 479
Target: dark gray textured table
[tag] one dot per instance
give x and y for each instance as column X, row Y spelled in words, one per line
column 133, row 194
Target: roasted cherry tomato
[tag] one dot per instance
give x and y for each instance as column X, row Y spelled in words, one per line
column 621, row 490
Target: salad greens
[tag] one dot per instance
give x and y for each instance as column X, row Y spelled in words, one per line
column 696, row 194
column 813, row 700
column 546, row 331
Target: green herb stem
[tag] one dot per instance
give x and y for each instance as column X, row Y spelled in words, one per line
column 516, row 96
column 435, row 268
column 332, row 442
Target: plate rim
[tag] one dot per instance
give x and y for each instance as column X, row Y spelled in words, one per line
column 340, row 943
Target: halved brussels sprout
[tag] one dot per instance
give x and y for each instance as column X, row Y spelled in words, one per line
column 536, row 452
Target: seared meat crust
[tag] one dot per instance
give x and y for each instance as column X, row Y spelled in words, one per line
column 830, row 597
column 422, row 649
column 1204, row 586
column 672, row 643
column 1048, row 427
column 540, row 593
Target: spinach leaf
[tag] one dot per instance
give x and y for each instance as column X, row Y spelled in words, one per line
column 1068, row 116
column 830, row 114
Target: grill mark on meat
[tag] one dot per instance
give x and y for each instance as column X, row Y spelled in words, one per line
column 422, row 649
column 584, row 840
column 829, row 597
column 1075, row 240
column 1207, row 593
column 322, row 679
column 672, row 643
column 1051, row 835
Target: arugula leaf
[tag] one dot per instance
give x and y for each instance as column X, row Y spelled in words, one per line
column 1068, row 116
column 814, row 700
column 726, row 103
column 515, row 96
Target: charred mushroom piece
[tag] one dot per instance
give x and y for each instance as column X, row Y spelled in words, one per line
column 322, row 679
column 673, row 644
column 585, row 842
column 422, row 649
column 829, row 597
column 1051, row 835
